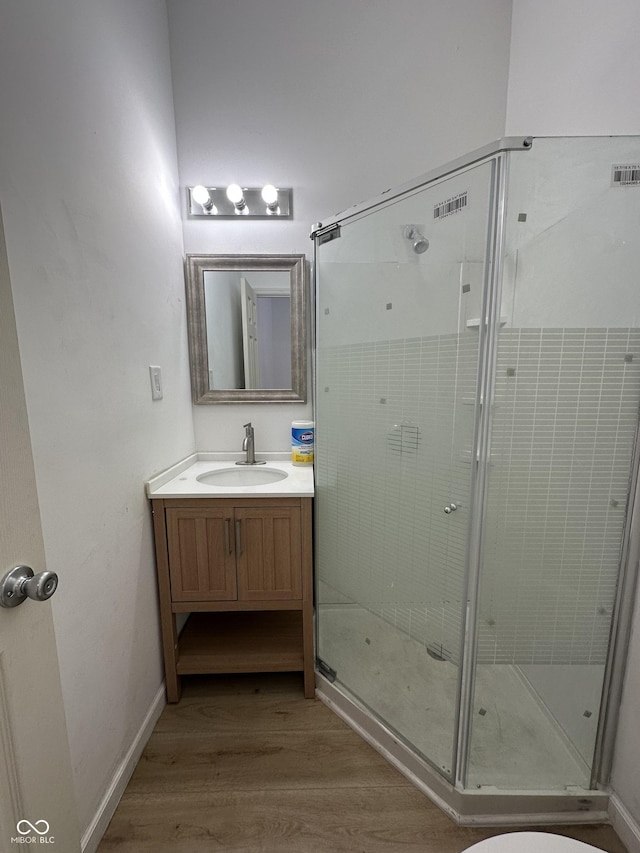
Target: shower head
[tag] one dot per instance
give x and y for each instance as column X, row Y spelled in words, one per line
column 419, row 242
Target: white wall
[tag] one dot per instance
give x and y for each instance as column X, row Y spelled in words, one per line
column 339, row 99
column 88, row 183
column 575, row 70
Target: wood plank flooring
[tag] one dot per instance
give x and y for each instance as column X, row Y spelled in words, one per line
column 245, row 764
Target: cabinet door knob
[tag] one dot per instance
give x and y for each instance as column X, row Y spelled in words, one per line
column 227, row 534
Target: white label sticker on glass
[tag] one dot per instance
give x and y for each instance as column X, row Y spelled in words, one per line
column 455, row 204
column 627, row 175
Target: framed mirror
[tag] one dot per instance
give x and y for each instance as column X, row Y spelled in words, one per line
column 246, row 318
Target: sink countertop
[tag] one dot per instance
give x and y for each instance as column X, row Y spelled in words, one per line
column 179, row 481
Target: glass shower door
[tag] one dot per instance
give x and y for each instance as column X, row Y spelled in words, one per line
column 566, row 401
column 400, row 295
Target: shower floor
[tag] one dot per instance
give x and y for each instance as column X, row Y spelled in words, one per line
column 515, row 745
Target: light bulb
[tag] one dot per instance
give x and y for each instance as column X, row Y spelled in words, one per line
column 201, row 195
column 236, row 196
column 270, row 196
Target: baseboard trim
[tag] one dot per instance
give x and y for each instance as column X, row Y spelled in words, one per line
column 624, row 824
column 93, row 834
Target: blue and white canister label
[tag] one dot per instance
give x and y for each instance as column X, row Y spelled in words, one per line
column 302, row 441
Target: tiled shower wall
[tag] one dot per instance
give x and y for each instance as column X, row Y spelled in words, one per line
column 566, row 407
column 394, row 447
column 390, row 414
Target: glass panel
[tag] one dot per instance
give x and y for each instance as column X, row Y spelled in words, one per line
column 399, row 301
column 566, row 401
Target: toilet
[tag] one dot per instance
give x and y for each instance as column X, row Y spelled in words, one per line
column 531, row 842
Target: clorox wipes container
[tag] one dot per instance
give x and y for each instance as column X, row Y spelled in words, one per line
column 302, row 438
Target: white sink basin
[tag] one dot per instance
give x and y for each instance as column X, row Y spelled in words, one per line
column 210, row 474
column 241, row 476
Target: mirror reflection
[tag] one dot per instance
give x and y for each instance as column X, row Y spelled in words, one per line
column 246, row 319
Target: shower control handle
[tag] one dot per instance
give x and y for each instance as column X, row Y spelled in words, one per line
column 450, row 508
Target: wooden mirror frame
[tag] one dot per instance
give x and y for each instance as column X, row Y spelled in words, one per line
column 195, row 268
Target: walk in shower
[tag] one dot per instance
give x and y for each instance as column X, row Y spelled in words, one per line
column 477, row 398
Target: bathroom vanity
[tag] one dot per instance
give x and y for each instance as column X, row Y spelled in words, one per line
column 234, row 550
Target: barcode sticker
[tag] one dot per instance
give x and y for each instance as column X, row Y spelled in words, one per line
column 627, row 175
column 452, row 205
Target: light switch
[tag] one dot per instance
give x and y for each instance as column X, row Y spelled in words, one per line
column 155, row 374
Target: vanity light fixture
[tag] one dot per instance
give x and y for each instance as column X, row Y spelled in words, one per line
column 249, row 202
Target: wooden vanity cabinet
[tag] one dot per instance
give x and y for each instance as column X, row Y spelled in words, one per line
column 242, row 569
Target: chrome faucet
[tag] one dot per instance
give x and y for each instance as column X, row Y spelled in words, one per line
column 248, row 446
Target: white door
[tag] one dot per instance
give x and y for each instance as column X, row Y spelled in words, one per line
column 250, row 334
column 36, row 791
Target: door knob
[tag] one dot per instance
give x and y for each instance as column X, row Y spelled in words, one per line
column 450, row 508
column 21, row 583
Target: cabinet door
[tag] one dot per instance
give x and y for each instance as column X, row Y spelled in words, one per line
column 201, row 554
column 268, row 553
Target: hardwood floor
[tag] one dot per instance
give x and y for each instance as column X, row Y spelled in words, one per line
column 245, row 764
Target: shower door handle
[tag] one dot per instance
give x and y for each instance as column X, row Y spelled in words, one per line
column 450, row 508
